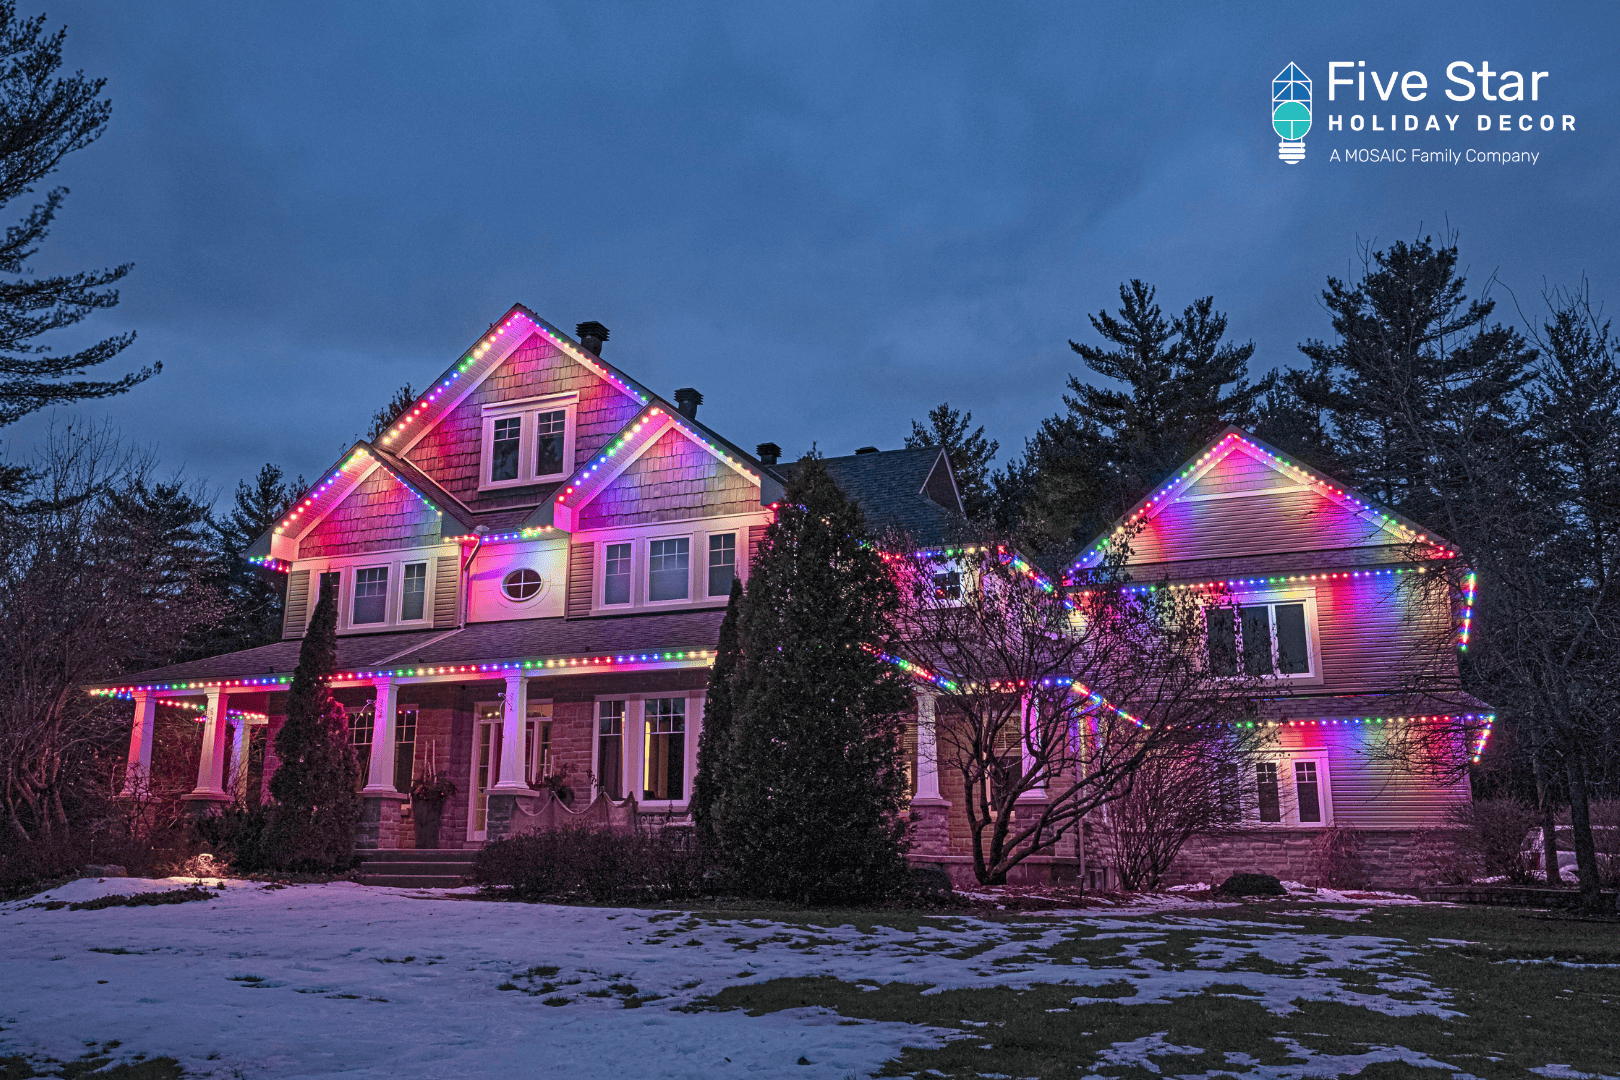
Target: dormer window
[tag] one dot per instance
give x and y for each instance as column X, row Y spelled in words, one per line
column 527, row 442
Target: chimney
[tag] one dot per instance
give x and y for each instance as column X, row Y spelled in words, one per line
column 768, row 453
column 591, row 336
column 866, row 449
column 687, row 400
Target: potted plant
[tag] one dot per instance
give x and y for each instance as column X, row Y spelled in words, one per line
column 558, row 783
column 427, row 806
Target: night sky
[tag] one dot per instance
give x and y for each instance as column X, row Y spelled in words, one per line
column 827, row 219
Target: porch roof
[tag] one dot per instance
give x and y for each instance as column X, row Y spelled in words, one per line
column 476, row 643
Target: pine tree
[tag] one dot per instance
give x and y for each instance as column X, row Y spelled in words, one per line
column 255, row 595
column 1182, row 384
column 316, row 812
column 44, row 118
column 714, row 744
column 969, row 451
column 813, row 809
column 383, row 418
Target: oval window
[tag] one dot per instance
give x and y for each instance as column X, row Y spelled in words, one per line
column 523, row 584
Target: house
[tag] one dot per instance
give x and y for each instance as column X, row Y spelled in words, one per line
column 532, row 563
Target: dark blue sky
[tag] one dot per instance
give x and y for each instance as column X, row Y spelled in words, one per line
column 827, row 219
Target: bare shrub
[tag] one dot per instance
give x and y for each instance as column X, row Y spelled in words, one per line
column 1181, row 787
column 599, row 865
column 1489, row 840
column 1338, row 859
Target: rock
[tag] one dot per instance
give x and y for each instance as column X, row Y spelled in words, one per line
column 108, row 870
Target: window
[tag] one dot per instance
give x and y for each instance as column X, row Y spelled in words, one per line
column 610, row 748
column 616, row 574
column 537, row 732
column 371, row 595
column 413, row 594
column 1266, row 790
column 669, row 569
column 550, row 434
column 1308, row 792
column 522, row 584
column 948, row 586
column 722, row 563
column 666, row 748
column 329, row 580
column 360, row 731
column 503, row 456
column 1258, row 639
column 404, row 748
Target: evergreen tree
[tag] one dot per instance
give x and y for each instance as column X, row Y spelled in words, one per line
column 1182, row 384
column 383, row 418
column 316, row 812
column 969, row 451
column 43, row 118
column 714, row 744
column 255, row 595
column 814, row 806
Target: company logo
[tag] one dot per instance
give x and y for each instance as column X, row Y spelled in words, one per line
column 1291, row 112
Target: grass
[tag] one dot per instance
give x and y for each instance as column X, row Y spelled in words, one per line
column 98, row 1062
column 1520, row 1006
column 149, row 899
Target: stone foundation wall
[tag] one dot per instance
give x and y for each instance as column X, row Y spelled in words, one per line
column 1383, row 859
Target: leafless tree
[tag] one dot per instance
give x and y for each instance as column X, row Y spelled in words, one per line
column 1051, row 698
column 1188, row 784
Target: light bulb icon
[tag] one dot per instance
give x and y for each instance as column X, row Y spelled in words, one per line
column 1291, row 112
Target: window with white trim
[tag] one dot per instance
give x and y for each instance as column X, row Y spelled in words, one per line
column 1290, row 789
column 669, row 569
column 370, row 595
column 537, row 732
column 722, row 563
column 1260, row 639
column 413, row 592
column 527, row 442
column 610, row 748
column 664, row 758
column 615, row 574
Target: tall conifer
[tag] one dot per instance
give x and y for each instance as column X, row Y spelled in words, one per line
column 316, row 811
column 814, row 800
column 714, row 744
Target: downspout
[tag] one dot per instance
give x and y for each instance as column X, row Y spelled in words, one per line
column 478, row 532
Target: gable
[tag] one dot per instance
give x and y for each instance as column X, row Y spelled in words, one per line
column 673, row 479
column 941, row 485
column 1240, row 497
column 449, row 451
column 377, row 514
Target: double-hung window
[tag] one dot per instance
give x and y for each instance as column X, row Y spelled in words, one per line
column 1291, row 790
column 665, row 753
column 370, row 595
column 610, row 748
column 615, row 574
column 503, row 457
column 669, row 569
column 527, row 442
column 413, row 592
column 1261, row 639
column 550, row 437
column 404, row 747
column 722, row 563
column 360, row 732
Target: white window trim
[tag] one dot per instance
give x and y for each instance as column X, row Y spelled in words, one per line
column 635, row 746
column 639, row 536
column 472, row 771
column 388, row 598
column 531, row 766
column 1287, row 795
column 632, row 709
column 546, row 585
column 646, row 571
column 526, row 410
column 599, row 573
column 346, row 567
column 427, row 593
column 740, row 541
column 1313, row 639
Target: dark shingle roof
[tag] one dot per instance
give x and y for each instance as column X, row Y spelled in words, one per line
column 888, row 487
column 515, row 639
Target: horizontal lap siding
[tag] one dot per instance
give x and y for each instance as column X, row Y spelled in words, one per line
column 446, row 591
column 1239, row 472
column 450, row 452
column 1381, row 634
column 674, row 480
column 581, row 559
column 1368, row 793
column 1262, row 524
column 378, row 515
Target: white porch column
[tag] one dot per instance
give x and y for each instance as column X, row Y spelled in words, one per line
column 514, row 713
column 635, row 747
column 927, row 750
column 211, row 762
column 381, row 779
column 139, row 769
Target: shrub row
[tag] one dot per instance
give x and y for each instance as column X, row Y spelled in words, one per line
column 599, row 865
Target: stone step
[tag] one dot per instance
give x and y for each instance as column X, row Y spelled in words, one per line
column 409, row 855
column 430, row 869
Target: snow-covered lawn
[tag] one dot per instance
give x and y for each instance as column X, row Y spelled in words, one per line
column 313, row 980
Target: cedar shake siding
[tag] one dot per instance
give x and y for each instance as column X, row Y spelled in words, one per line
column 378, row 515
column 450, row 452
column 675, row 479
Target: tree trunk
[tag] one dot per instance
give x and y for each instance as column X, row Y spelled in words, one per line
column 1580, row 818
column 1549, row 820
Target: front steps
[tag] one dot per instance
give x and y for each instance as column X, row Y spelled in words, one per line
column 424, row 868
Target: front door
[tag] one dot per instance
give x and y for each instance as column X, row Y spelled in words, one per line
column 486, row 765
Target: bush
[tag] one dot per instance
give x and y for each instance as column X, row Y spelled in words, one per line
column 1491, row 835
column 239, row 835
column 1252, row 885
column 1338, row 859
column 599, row 865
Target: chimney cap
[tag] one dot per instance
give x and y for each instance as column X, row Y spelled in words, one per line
column 866, row 449
column 589, row 332
column 769, row 453
column 687, row 400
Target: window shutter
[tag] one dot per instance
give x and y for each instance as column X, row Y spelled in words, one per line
column 446, row 590
column 295, row 613
column 581, row 559
column 756, row 537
